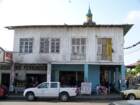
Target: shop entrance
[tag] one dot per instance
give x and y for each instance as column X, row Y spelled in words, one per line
column 71, row 78
column 107, row 77
column 34, row 79
column 104, row 76
column 5, row 80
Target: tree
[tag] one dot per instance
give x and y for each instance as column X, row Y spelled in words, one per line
column 137, row 68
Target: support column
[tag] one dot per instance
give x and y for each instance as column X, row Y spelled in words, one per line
column 0, row 77
column 110, row 76
column 56, row 76
column 117, row 78
column 123, row 71
column 49, row 72
column 85, row 72
column 12, row 77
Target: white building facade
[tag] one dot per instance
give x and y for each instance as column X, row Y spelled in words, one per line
column 70, row 54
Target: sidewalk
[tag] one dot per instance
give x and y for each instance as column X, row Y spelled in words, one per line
column 81, row 97
column 100, row 97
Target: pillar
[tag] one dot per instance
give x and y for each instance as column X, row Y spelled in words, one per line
column 110, row 76
column 49, row 72
column 56, row 75
column 86, row 72
column 123, row 71
column 12, row 77
column 0, row 77
column 117, row 78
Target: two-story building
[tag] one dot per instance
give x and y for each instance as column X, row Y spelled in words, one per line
column 5, row 66
column 70, row 53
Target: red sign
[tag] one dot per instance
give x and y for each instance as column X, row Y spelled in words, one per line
column 8, row 56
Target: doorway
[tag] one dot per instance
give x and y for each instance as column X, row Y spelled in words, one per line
column 104, row 76
column 5, row 79
column 71, row 78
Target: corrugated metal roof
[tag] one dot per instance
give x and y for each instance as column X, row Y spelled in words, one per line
column 126, row 27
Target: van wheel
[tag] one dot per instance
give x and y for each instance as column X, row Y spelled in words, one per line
column 131, row 97
column 30, row 96
column 64, row 97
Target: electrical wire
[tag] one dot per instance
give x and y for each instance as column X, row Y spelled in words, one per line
column 134, row 45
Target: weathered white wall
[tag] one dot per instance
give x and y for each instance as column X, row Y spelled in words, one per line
column 66, row 34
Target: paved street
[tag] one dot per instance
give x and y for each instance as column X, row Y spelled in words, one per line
column 52, row 102
column 80, row 100
column 13, row 99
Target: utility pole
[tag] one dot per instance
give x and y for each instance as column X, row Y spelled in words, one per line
column 12, row 77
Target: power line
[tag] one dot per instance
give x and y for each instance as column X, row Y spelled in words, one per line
column 134, row 45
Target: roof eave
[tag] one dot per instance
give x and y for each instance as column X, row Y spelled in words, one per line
column 126, row 28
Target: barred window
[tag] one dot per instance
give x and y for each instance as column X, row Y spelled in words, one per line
column 26, row 45
column 5, row 67
column 35, row 67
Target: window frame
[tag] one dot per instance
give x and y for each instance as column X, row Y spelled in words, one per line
column 26, row 45
column 53, row 44
column 44, row 50
column 104, row 45
column 77, row 45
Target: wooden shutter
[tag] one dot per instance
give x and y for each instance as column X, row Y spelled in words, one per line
column 109, row 48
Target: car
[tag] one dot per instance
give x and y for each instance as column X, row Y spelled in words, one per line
column 50, row 90
column 3, row 91
column 126, row 102
column 131, row 94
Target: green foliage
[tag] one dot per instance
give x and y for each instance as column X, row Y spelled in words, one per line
column 131, row 72
column 137, row 68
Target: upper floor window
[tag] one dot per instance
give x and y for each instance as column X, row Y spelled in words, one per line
column 104, row 49
column 26, row 45
column 44, row 45
column 55, row 45
column 78, row 48
column 50, row 45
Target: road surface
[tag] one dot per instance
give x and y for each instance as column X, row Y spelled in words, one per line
column 23, row 102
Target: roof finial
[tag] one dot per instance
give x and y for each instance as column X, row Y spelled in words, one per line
column 89, row 14
column 89, row 17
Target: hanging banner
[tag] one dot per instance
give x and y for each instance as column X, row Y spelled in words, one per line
column 86, row 88
column 8, row 56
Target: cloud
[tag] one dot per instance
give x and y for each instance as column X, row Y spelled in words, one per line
column 133, row 17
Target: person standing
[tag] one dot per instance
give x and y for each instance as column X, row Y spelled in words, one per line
column 127, row 83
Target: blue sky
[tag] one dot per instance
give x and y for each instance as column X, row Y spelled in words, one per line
column 27, row 12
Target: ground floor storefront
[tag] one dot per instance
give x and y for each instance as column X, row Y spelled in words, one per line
column 105, row 75
column 29, row 75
